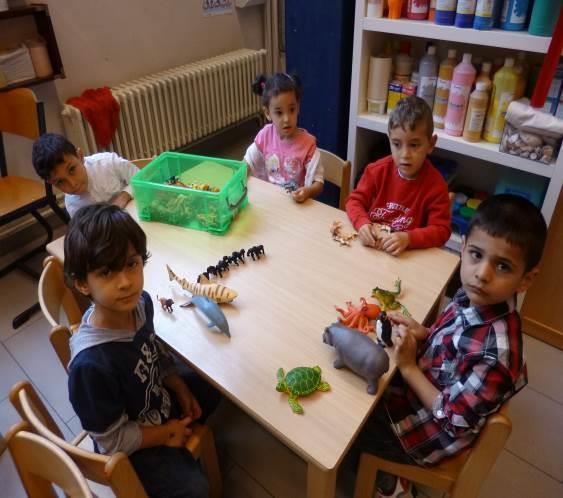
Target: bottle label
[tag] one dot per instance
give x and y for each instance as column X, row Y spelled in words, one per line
column 514, row 12
column 466, row 7
column 476, row 120
column 484, row 8
column 443, row 84
column 446, row 5
column 461, row 90
column 418, row 6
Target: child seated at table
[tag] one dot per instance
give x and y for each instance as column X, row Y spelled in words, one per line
column 282, row 153
column 401, row 201
column 102, row 177
column 462, row 369
column 122, row 384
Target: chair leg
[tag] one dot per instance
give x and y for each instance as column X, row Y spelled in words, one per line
column 210, row 464
column 365, row 480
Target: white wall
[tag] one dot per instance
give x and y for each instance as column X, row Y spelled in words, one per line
column 105, row 42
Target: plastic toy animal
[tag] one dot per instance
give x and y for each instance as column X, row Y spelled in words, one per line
column 383, row 330
column 203, row 275
column 300, row 381
column 166, row 304
column 256, row 251
column 211, row 270
column 359, row 317
column 219, row 293
column 344, row 239
column 238, row 256
column 388, row 299
column 358, row 353
column 212, row 311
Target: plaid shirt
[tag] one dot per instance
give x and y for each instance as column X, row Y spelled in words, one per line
column 474, row 357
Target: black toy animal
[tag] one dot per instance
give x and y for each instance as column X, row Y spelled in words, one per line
column 255, row 252
column 211, row 270
column 383, row 330
column 204, row 274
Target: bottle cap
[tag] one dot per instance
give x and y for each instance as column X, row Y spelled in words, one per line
column 486, row 67
column 509, row 62
column 432, row 50
column 467, row 58
column 452, row 53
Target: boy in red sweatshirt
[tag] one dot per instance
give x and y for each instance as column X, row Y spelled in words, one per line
column 401, row 201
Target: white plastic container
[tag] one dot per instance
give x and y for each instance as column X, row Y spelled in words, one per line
column 40, row 57
column 378, row 83
column 374, row 8
column 428, row 76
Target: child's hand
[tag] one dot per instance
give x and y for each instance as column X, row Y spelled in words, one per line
column 404, row 348
column 301, row 194
column 419, row 331
column 178, row 432
column 395, row 243
column 367, row 236
column 190, row 406
column 121, row 199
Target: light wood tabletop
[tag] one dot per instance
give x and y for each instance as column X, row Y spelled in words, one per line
column 285, row 301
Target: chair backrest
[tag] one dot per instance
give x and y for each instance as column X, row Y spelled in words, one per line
column 337, row 171
column 115, row 471
column 40, row 463
column 60, row 340
column 55, row 296
column 141, row 163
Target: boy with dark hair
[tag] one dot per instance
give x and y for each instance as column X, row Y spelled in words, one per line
column 122, row 384
column 462, row 369
column 102, row 177
column 401, row 202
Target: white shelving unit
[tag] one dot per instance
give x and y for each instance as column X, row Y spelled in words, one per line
column 368, row 39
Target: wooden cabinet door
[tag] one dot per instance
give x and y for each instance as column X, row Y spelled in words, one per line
column 542, row 310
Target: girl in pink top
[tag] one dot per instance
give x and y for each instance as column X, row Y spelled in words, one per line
column 282, row 153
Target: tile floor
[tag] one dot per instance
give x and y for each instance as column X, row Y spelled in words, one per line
column 255, row 464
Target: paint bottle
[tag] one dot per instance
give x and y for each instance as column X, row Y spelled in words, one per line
column 504, row 88
column 514, row 15
column 395, row 7
column 445, row 12
column 417, row 9
column 484, row 14
column 522, row 70
column 544, row 17
column 445, row 75
column 476, row 112
column 428, row 76
column 485, row 76
column 462, row 81
column 432, row 10
column 465, row 13
column 403, row 63
column 374, row 8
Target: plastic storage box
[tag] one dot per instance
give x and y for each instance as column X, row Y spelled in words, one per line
column 198, row 209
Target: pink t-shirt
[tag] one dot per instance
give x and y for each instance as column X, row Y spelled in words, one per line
column 285, row 161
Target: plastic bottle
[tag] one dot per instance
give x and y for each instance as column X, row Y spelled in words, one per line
column 476, row 112
column 462, row 81
column 514, row 14
column 497, row 9
column 484, row 14
column 445, row 75
column 544, row 17
column 432, row 10
column 522, row 70
column 428, row 76
column 504, row 88
column 417, row 9
column 394, row 11
column 485, row 76
column 445, row 12
column 465, row 13
column 374, row 8
column 403, row 63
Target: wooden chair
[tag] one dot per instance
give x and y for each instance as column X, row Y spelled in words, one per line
column 21, row 114
column 114, row 471
column 461, row 476
column 40, row 464
column 141, row 163
column 337, row 171
column 55, row 297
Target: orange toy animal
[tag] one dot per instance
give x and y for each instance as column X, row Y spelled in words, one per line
column 358, row 317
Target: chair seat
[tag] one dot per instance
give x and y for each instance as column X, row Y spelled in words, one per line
column 17, row 192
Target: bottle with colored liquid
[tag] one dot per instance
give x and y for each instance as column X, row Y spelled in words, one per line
column 514, row 15
column 417, row 9
column 445, row 75
column 504, row 89
column 544, row 17
column 465, row 13
column 462, row 81
column 432, row 11
column 484, row 14
column 445, row 12
column 428, row 75
column 476, row 112
column 485, row 76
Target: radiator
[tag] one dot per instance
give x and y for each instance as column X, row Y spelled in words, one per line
column 176, row 107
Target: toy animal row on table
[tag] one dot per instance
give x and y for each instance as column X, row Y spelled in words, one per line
column 223, row 264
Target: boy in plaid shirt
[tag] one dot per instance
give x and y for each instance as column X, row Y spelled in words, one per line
column 462, row 369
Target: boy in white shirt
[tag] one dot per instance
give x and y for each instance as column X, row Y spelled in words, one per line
column 102, row 177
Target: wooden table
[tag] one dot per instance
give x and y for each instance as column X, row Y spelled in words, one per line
column 285, row 301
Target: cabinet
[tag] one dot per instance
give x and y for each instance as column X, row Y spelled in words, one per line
column 369, row 34
column 44, row 28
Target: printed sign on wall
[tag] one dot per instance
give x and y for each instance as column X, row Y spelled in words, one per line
column 216, row 7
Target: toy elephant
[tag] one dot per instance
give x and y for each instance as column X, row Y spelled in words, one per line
column 357, row 352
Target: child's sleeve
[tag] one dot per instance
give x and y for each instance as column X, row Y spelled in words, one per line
column 254, row 156
column 96, row 398
column 314, row 170
column 438, row 220
column 361, row 198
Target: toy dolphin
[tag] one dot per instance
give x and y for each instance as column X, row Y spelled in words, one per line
column 212, row 311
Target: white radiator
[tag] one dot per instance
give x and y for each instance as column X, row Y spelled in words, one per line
column 176, row 107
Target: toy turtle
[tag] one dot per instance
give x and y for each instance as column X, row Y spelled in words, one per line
column 300, row 381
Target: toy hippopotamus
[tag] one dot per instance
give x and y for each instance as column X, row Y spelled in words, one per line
column 357, row 352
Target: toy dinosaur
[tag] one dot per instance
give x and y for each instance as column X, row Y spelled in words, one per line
column 212, row 311
column 359, row 317
column 300, row 381
column 219, row 293
column 344, row 239
column 388, row 299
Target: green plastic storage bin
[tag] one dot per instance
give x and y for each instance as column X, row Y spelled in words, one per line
column 190, row 208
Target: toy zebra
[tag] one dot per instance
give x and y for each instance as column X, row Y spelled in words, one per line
column 219, row 293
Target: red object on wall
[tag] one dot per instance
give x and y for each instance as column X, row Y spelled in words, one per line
column 101, row 110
